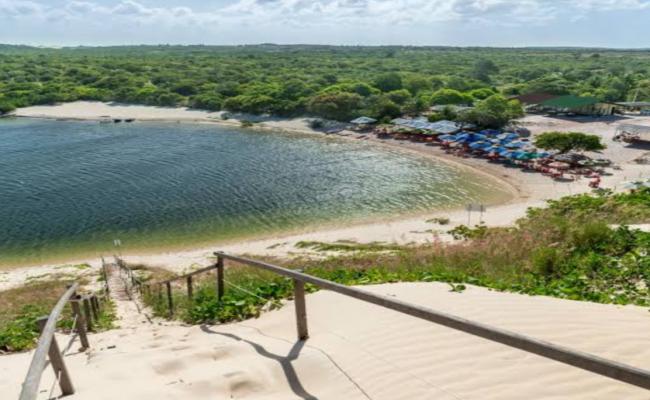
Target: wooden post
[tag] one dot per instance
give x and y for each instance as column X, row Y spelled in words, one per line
column 81, row 324
column 95, row 307
column 220, row 287
column 301, row 309
column 60, row 371
column 190, row 289
column 170, row 302
column 88, row 315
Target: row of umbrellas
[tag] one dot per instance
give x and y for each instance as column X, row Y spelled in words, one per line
column 506, row 145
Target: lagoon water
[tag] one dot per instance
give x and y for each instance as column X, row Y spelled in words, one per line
column 71, row 188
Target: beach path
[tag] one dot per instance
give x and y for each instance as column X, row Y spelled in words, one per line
column 361, row 351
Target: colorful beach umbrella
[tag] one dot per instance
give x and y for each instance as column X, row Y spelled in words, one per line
column 480, row 145
column 508, row 136
column 447, row 138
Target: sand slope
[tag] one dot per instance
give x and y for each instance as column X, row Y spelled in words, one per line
column 361, row 351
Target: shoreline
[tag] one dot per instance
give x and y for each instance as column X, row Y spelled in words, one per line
column 527, row 190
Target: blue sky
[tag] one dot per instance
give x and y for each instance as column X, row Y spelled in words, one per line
column 600, row 23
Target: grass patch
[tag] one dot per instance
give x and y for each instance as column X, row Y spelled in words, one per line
column 348, row 246
column 566, row 250
column 21, row 307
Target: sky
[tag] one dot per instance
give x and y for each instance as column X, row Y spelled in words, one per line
column 498, row 23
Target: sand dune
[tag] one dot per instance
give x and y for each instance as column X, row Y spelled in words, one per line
column 361, row 351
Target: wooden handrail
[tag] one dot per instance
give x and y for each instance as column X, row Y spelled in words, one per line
column 612, row 369
column 33, row 379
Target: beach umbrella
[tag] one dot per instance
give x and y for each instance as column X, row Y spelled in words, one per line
column 479, row 145
column 490, row 132
column 508, row 136
column 516, row 145
column 543, row 154
column 494, row 149
column 447, row 138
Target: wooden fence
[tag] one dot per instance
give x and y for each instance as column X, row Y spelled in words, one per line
column 86, row 311
column 611, row 369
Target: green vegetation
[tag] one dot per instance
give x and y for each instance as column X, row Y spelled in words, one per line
column 348, row 246
column 327, row 81
column 565, row 142
column 21, row 307
column 565, row 250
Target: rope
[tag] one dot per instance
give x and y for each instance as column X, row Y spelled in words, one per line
column 56, row 380
column 245, row 290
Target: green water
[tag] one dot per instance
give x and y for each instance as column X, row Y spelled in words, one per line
column 71, row 188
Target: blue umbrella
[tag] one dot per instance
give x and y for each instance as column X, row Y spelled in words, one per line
column 490, row 132
column 508, row 136
column 494, row 149
column 479, row 145
column 447, row 138
column 516, row 145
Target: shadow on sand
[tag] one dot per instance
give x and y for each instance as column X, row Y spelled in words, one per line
column 284, row 361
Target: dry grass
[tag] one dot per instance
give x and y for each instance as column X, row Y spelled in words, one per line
column 42, row 294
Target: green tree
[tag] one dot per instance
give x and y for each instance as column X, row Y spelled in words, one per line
column 416, row 84
column 565, row 142
column 494, row 112
column 388, row 82
column 450, row 96
column 399, row 96
column 483, row 69
column 338, row 106
column 481, row 94
column 381, row 106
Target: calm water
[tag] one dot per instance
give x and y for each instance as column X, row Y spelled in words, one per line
column 71, row 188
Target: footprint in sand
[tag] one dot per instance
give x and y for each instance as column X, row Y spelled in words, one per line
column 241, row 384
column 168, row 367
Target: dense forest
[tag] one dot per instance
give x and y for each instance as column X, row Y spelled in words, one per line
column 328, row 81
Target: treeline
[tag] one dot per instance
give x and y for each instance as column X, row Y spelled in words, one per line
column 332, row 82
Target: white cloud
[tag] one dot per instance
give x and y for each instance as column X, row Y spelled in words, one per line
column 315, row 15
column 10, row 8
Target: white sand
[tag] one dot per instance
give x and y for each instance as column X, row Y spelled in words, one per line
column 529, row 189
column 359, row 351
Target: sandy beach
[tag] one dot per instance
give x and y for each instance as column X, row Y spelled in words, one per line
column 528, row 189
column 358, row 351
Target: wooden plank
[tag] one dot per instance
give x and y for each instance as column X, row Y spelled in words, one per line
column 301, row 309
column 32, row 381
column 81, row 324
column 190, row 289
column 170, row 301
column 611, row 369
column 220, row 285
column 94, row 305
column 88, row 314
column 56, row 359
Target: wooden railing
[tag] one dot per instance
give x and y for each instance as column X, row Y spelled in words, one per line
column 611, row 369
column 85, row 310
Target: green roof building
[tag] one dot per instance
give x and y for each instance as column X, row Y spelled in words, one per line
column 572, row 104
